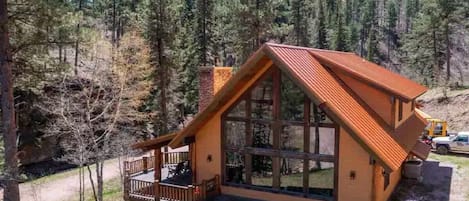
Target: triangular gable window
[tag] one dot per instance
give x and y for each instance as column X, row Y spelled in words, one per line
column 274, row 137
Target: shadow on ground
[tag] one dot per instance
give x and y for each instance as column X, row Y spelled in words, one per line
column 436, row 184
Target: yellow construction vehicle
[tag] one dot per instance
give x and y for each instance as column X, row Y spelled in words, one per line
column 435, row 127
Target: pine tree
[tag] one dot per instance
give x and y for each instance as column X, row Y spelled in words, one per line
column 160, row 26
column 340, row 36
column 424, row 49
column 391, row 29
column 369, row 31
column 10, row 172
column 321, row 41
column 204, row 18
column 188, row 58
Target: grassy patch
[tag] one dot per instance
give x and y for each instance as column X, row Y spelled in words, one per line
column 112, row 191
column 460, row 160
column 317, row 179
column 65, row 174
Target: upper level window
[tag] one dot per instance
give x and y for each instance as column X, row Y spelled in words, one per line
column 272, row 139
column 400, row 109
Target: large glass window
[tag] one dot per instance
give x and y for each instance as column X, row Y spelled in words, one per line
column 273, row 138
column 234, row 166
column 262, row 175
column 233, row 134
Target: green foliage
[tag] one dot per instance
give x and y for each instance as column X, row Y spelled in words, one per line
column 321, row 41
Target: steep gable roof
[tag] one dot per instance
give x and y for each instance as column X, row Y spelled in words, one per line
column 318, row 83
column 339, row 103
column 370, row 73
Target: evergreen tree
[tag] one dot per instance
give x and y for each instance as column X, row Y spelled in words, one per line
column 423, row 48
column 321, row 41
column 160, row 29
column 392, row 23
column 340, row 36
column 205, row 45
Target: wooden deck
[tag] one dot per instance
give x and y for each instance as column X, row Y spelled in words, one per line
column 140, row 183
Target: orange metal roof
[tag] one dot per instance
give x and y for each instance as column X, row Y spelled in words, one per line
column 408, row 132
column 304, row 65
column 305, row 68
column 370, row 72
column 157, row 142
column 421, row 150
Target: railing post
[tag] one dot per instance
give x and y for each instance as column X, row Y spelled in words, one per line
column 203, row 190
column 156, row 189
column 217, row 183
column 190, row 193
column 145, row 164
column 127, row 185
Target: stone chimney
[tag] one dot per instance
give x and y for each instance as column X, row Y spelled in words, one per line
column 211, row 80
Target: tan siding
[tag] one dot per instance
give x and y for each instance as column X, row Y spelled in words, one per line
column 382, row 194
column 406, row 111
column 352, row 157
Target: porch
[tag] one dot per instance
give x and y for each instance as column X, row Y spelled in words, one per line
column 174, row 179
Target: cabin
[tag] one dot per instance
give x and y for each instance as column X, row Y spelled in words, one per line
column 293, row 123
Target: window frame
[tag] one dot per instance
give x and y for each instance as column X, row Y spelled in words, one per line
column 276, row 152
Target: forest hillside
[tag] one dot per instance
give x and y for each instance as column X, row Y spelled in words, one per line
column 131, row 66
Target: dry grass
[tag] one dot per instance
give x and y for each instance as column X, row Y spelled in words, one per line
column 317, row 179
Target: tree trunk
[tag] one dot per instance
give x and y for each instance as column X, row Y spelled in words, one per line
column 448, row 53
column 93, row 187
column 11, row 191
column 99, row 179
column 77, row 41
column 436, row 66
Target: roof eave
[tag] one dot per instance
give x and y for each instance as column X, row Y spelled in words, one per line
column 330, row 63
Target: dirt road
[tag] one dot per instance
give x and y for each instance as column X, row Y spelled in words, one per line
column 63, row 186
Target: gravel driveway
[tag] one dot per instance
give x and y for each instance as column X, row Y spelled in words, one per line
column 446, row 178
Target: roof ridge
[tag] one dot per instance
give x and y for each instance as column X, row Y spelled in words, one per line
column 287, row 46
column 333, row 51
column 306, row 48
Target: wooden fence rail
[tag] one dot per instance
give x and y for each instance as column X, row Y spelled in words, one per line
column 144, row 191
column 146, row 163
column 171, row 158
column 140, row 165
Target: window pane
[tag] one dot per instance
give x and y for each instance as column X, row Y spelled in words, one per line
column 326, row 140
column 234, row 167
column 292, row 138
column 291, row 100
column 322, row 116
column 262, row 135
column 239, row 110
column 321, row 180
column 292, row 175
column 262, row 171
column 235, row 134
column 261, row 100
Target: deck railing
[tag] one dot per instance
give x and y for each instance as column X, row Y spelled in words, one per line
column 171, row 158
column 136, row 190
column 147, row 163
column 141, row 165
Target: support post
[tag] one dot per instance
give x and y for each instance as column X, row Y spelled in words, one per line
column 203, row 190
column 126, row 185
column 145, row 164
column 156, row 189
column 192, row 162
column 217, row 183
column 190, row 193
column 157, row 164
